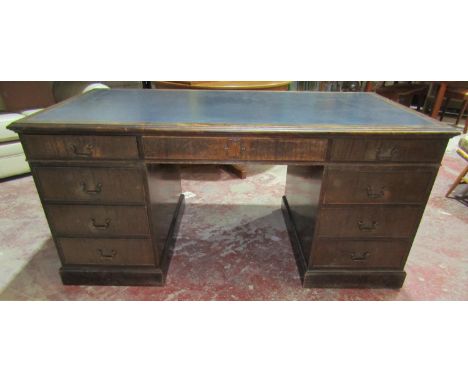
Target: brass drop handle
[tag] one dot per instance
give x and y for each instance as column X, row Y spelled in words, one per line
column 92, row 191
column 387, row 154
column 367, row 226
column 107, row 255
column 356, row 256
column 101, row 227
column 87, row 151
column 375, row 194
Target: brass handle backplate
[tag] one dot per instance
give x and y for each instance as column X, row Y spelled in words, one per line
column 372, row 194
column 107, row 255
column 92, row 191
column 101, row 227
column 367, row 226
column 362, row 256
column 387, row 154
column 87, row 151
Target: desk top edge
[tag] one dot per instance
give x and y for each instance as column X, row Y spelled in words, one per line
column 37, row 123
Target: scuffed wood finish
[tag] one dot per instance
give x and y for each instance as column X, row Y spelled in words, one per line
column 234, row 148
column 136, row 252
column 104, row 275
column 374, row 185
column 359, row 254
column 80, row 147
column 102, row 221
column 87, row 184
column 387, row 150
column 338, row 277
column 356, row 278
column 369, row 221
column 366, row 222
column 283, row 149
column 360, row 172
column 191, row 148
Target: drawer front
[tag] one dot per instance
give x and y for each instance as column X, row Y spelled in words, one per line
column 379, row 185
column 359, row 254
column 225, row 148
column 98, row 220
column 180, row 148
column 305, row 149
column 107, row 251
column 369, row 221
column 91, row 184
column 376, row 150
column 79, row 147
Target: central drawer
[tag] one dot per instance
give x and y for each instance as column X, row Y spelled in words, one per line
column 137, row 252
column 98, row 220
column 362, row 254
column 374, row 185
column 91, row 184
column 228, row 148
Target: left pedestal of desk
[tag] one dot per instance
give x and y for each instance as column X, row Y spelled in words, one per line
column 113, row 217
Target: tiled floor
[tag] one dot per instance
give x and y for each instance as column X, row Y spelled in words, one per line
column 233, row 245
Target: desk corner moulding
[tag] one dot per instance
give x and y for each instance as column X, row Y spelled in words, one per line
column 106, row 167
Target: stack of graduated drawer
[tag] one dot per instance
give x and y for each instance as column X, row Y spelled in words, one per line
column 93, row 190
column 369, row 214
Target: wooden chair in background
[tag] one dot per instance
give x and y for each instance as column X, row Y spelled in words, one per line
column 463, row 152
column 404, row 93
column 460, row 93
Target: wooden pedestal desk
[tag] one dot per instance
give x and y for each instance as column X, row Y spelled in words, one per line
column 360, row 170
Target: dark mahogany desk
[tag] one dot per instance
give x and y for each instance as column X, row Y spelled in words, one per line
column 360, row 170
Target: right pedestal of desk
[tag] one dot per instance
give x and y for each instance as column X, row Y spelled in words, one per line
column 352, row 220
